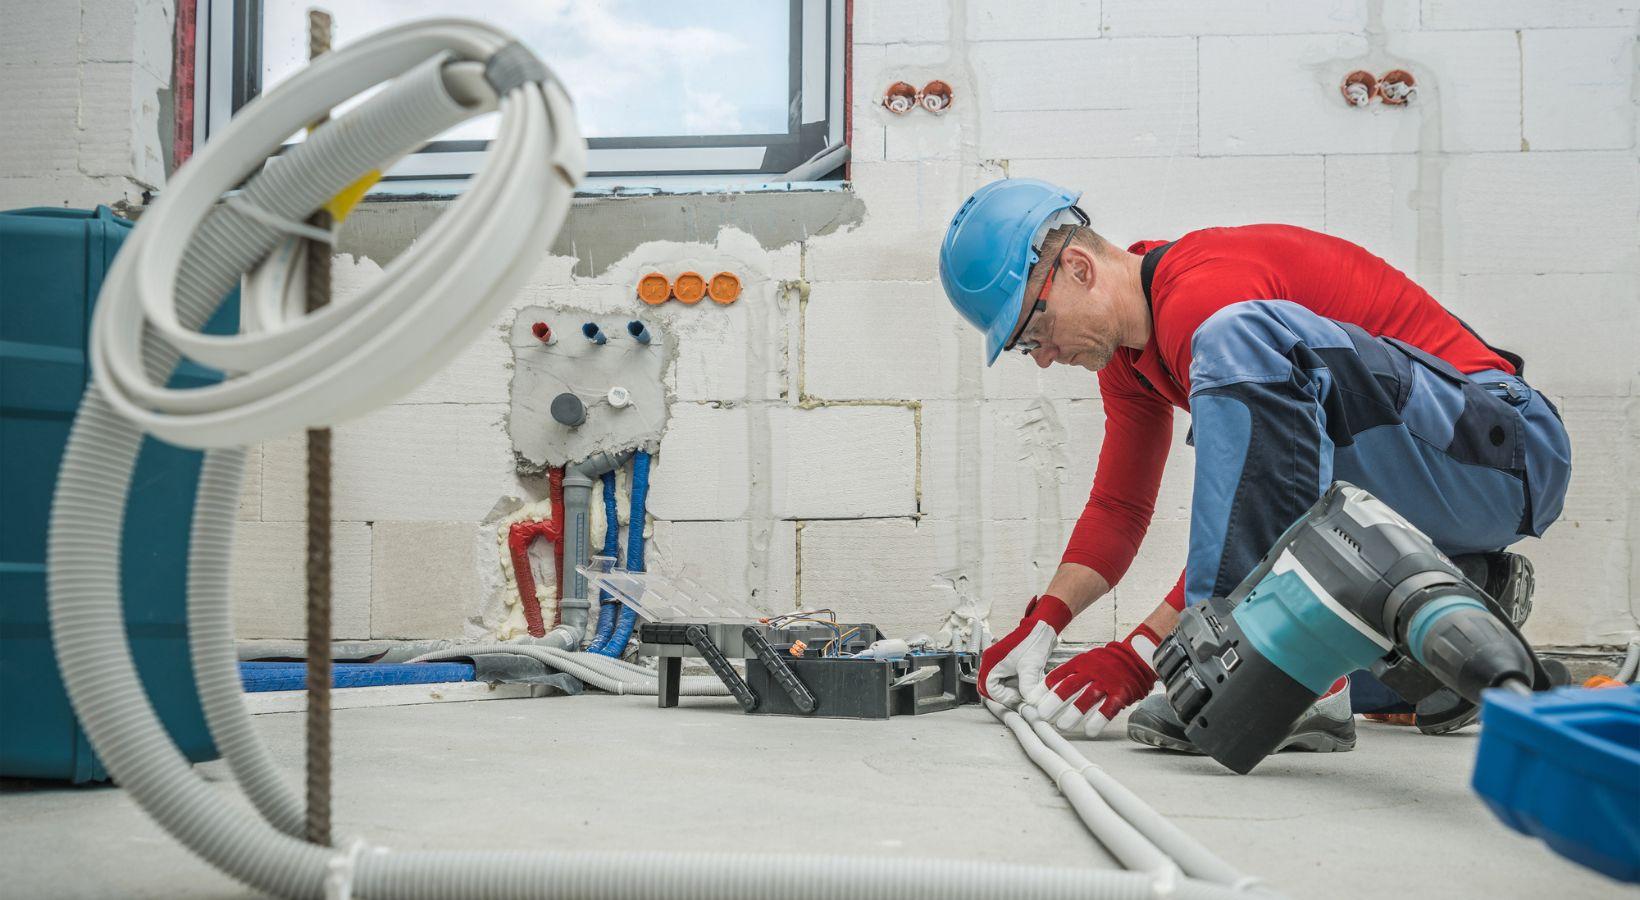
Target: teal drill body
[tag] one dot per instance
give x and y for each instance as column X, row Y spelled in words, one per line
column 1352, row 585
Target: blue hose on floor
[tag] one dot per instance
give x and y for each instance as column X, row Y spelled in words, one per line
column 612, row 547
column 634, row 551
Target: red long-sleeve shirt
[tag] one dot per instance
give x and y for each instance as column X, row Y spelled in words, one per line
column 1203, row 272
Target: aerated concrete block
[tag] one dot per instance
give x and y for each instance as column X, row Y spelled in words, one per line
column 1468, row 100
column 1578, row 332
column 1578, row 88
column 1127, row 18
column 747, row 561
column 1469, row 14
column 424, row 462
column 269, row 580
column 1109, row 98
column 1161, row 199
column 881, row 341
column 424, row 582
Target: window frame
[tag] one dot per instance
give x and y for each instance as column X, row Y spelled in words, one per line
column 228, row 74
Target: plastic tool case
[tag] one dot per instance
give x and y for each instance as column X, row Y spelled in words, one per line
column 693, row 623
column 52, row 265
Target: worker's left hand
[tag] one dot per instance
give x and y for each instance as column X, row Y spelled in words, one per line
column 1089, row 689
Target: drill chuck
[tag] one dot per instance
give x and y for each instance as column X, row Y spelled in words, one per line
column 1459, row 641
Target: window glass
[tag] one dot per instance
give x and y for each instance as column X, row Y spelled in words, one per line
column 635, row 68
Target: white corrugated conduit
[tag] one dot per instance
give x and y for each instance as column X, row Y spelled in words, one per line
column 294, row 370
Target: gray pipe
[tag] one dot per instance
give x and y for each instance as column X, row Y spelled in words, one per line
column 1631, row 663
column 578, row 482
column 1192, row 855
column 819, row 164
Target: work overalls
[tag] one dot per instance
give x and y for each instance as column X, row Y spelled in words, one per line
column 1283, row 402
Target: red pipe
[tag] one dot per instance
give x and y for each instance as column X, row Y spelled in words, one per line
column 519, row 538
column 555, row 491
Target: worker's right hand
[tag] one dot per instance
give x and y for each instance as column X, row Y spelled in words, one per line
column 1022, row 656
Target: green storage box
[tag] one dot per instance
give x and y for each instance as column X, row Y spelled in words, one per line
column 52, row 265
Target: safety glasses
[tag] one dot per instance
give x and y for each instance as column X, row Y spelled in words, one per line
column 1019, row 341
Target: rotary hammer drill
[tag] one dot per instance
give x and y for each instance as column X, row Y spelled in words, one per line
column 1351, row 585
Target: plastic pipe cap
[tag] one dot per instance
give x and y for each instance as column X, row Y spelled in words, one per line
column 724, row 288
column 619, row 397
column 654, row 289
column 689, row 288
column 567, row 409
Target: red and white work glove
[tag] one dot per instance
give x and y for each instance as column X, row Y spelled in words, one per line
column 1089, row 689
column 1022, row 656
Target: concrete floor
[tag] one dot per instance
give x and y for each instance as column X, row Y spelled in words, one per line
column 1393, row 819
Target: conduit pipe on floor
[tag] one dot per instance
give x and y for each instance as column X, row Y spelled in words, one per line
column 1124, row 842
column 1191, row 855
column 602, row 672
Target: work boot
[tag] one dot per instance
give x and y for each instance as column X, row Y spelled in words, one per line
column 1326, row 727
column 1506, row 577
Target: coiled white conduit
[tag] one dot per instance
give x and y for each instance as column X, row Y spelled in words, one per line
column 321, row 369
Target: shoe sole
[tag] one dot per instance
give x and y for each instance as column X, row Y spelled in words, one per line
column 1309, row 741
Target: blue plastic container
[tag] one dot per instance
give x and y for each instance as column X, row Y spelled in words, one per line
column 1564, row 766
column 52, row 265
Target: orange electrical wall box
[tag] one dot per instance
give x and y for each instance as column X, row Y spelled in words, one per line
column 724, row 287
column 689, row 287
column 653, row 289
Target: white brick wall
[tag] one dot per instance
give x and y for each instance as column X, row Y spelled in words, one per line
column 851, row 450
column 80, row 112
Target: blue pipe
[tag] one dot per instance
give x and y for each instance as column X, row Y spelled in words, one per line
column 593, row 333
column 634, row 550
column 612, row 547
column 638, row 330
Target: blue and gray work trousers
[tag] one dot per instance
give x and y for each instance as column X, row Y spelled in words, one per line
column 1284, row 402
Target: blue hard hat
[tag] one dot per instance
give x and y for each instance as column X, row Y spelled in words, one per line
column 987, row 255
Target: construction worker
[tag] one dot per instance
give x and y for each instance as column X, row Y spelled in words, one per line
column 1301, row 358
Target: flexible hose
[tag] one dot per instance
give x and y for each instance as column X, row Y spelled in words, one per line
column 211, row 645
column 607, row 611
column 634, row 550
